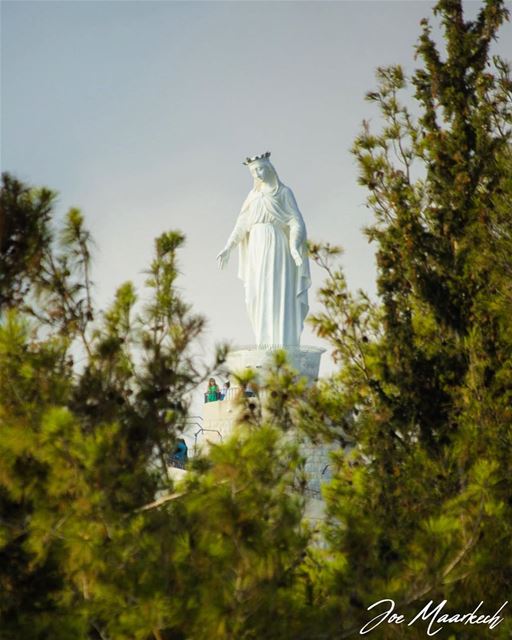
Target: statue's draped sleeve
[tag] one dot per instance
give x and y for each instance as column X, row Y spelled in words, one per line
column 242, row 225
column 295, row 221
column 244, row 228
column 297, row 239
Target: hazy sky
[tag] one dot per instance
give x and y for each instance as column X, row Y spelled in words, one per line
column 141, row 113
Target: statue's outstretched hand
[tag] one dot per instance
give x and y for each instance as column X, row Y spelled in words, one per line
column 296, row 256
column 223, row 258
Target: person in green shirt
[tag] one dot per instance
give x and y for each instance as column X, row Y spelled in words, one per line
column 212, row 393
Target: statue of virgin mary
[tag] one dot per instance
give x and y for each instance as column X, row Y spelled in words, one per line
column 273, row 263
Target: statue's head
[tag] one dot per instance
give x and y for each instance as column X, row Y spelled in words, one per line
column 262, row 171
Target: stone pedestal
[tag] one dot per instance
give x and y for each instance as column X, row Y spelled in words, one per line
column 305, row 360
column 220, row 417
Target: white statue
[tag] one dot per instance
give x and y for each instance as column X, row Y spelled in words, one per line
column 274, row 266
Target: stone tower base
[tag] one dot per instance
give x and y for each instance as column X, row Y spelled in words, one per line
column 220, row 417
column 305, row 360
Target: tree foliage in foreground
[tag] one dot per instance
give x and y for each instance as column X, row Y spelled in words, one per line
column 422, row 510
column 96, row 539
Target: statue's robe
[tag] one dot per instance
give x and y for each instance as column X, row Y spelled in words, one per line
column 276, row 289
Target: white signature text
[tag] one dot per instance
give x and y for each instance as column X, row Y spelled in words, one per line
column 432, row 612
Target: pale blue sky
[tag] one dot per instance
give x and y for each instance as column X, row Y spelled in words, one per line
column 141, row 113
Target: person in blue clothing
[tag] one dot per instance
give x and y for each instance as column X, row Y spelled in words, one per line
column 180, row 456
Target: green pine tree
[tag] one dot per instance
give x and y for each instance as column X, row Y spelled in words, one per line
column 422, row 509
column 96, row 540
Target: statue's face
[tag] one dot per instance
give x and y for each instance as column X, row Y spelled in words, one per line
column 260, row 170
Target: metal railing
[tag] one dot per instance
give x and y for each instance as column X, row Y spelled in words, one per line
column 201, row 430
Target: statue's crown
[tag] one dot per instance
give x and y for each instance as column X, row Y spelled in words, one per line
column 263, row 156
